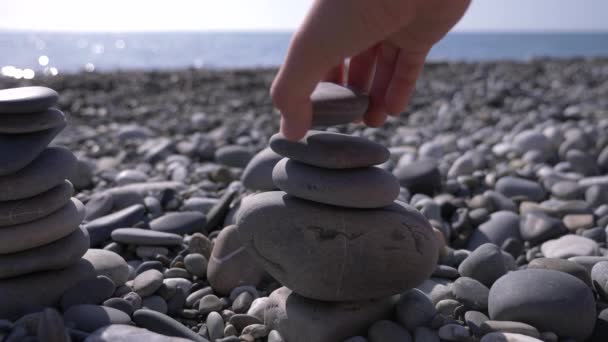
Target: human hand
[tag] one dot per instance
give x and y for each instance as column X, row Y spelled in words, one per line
column 386, row 40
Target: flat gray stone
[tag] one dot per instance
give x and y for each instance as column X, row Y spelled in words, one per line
column 569, row 246
column 258, row 173
column 331, row 150
column 100, row 204
column 108, row 264
column 562, row 265
column 35, row 291
column 29, row 145
column 333, row 104
column 27, row 99
column 31, row 122
column 230, row 265
column 185, row 222
column 299, row 319
column 37, row 233
column 163, row 324
column 128, row 333
column 374, row 188
column 88, row 317
column 50, row 169
column 100, row 229
column 501, row 226
column 508, row 337
column 88, row 291
column 515, row 187
column 471, row 293
column 359, row 254
column 233, row 156
column 56, row 255
column 37, row 207
column 546, row 299
column 139, row 236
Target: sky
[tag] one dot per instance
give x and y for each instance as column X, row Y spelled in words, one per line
column 283, row 15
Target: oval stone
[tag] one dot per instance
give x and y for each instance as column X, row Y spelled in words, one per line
column 139, row 236
column 53, row 227
column 333, row 104
column 546, row 299
column 31, row 122
column 331, row 150
column 89, row 317
column 128, row 333
column 34, row 208
column 54, row 256
column 258, row 173
column 27, row 99
column 50, row 169
column 108, row 264
column 100, row 229
column 501, row 226
column 374, row 188
column 358, row 254
column 230, row 265
column 29, row 145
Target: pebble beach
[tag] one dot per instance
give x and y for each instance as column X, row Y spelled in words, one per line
column 497, row 174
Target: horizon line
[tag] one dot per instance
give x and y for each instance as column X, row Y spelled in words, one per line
column 289, row 31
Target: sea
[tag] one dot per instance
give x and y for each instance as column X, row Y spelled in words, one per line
column 31, row 54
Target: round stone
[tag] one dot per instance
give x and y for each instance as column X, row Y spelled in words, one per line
column 471, row 293
column 570, row 246
column 180, row 223
column 537, row 227
column 420, row 176
column 34, row 208
column 546, row 299
column 599, row 275
column 230, row 265
column 414, row 309
column 146, row 283
column 331, row 150
column 374, row 188
column 108, row 264
column 27, row 99
column 501, row 226
column 299, row 319
column 352, row 261
column 45, row 172
column 333, row 104
column 31, row 122
column 139, row 236
column 37, row 233
column 56, row 255
column 258, row 173
column 196, row 264
column 485, row 264
column 87, row 317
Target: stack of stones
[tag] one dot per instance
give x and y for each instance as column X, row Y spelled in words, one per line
column 334, row 236
column 40, row 231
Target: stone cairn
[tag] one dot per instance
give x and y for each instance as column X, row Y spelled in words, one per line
column 41, row 243
column 335, row 236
